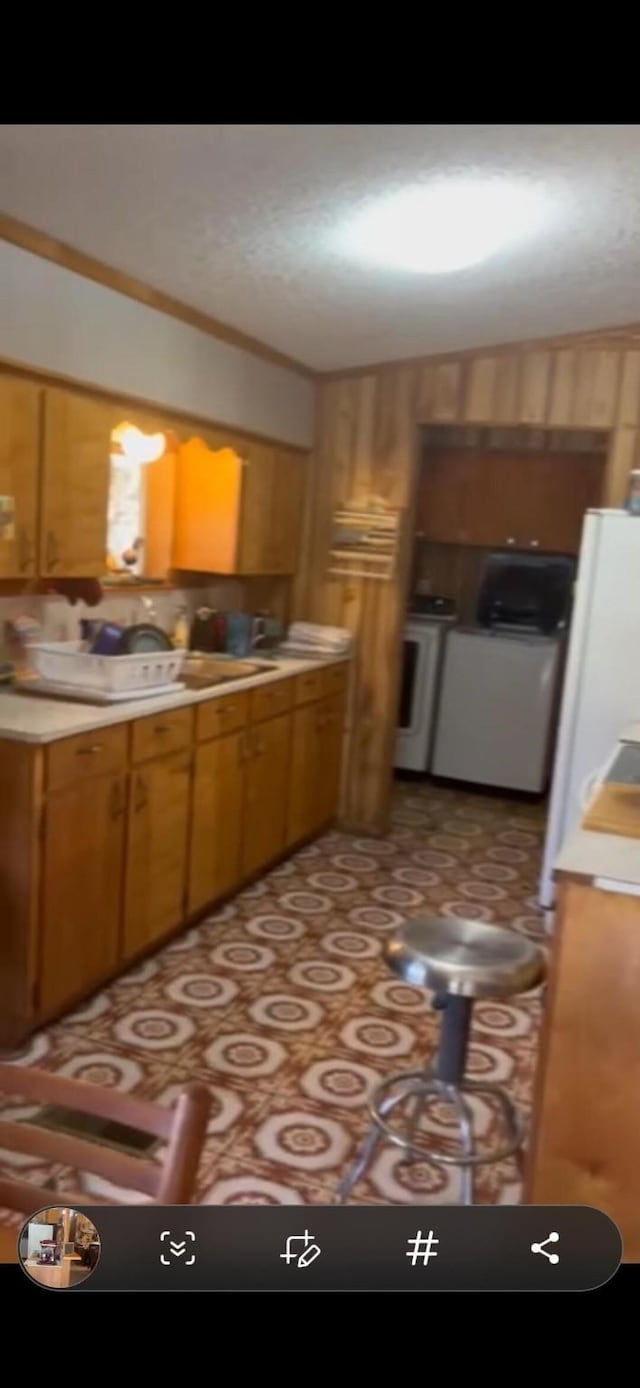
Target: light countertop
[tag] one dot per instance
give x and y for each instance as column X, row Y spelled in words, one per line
column 34, row 718
column 608, row 861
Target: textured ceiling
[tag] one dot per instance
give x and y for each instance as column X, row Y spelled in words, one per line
column 240, row 221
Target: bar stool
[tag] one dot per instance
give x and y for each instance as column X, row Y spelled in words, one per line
column 460, row 960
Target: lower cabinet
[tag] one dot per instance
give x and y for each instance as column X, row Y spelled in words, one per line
column 216, row 820
column 266, row 793
column 83, row 860
column 156, row 865
column 316, row 752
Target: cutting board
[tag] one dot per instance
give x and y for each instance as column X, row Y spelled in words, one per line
column 615, row 810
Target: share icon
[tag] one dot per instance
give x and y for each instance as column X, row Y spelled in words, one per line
column 540, row 1248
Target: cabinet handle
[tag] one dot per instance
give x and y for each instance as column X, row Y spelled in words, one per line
column 230, row 708
column 25, row 557
column 140, row 794
column 91, row 751
column 52, row 556
column 117, row 800
column 510, row 540
column 534, row 544
column 184, row 766
column 162, row 728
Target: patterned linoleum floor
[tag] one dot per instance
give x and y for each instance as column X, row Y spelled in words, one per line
column 280, row 1002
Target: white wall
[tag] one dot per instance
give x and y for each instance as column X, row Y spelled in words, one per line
column 60, row 322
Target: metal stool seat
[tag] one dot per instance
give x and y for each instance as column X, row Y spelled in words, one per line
column 460, row 960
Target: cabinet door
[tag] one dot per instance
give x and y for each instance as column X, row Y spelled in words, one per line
column 75, row 485
column 331, row 739
column 216, row 820
column 83, row 860
column 19, row 445
column 283, row 542
column 266, row 793
column 254, row 554
column 156, row 870
column 444, row 509
column 303, row 816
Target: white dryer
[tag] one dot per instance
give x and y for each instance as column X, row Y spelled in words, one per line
column 422, row 652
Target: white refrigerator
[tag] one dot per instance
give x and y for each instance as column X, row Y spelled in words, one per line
column 601, row 695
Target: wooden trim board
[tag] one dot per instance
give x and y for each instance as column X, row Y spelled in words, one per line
column 29, row 238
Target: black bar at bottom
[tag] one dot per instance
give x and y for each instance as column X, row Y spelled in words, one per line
column 355, row 1248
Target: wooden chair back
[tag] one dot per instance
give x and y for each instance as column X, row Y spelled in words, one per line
column 170, row 1181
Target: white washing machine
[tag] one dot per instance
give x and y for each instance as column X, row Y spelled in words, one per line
column 423, row 645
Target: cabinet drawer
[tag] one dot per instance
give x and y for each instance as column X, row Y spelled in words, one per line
column 274, row 698
column 334, row 679
column 220, row 716
column 88, row 754
column 164, row 732
column 309, row 687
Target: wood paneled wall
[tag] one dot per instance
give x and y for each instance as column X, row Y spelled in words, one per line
column 367, row 442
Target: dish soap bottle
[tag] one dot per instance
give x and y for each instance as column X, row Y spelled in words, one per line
column 180, row 637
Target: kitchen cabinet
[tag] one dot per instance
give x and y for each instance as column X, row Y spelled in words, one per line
column 20, row 404
column 527, row 500
column 75, row 485
column 216, row 820
column 331, row 736
column 82, row 872
column 316, row 753
column 238, row 515
column 266, row 792
column 156, row 867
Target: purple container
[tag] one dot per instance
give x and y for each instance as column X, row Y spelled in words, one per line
column 107, row 639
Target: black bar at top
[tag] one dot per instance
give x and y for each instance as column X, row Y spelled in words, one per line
column 362, row 1248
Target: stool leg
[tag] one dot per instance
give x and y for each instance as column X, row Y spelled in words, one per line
column 467, row 1146
column 368, row 1148
column 454, row 1039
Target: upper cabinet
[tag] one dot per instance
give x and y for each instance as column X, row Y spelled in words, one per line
column 20, row 404
column 525, row 500
column 238, row 515
column 75, row 485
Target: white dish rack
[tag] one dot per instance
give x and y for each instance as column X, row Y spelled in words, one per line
column 65, row 662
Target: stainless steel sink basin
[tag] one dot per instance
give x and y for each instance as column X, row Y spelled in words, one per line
column 206, row 671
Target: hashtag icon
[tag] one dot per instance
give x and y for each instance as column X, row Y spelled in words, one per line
column 422, row 1246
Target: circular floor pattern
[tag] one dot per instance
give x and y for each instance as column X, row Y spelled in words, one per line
column 256, row 889
column 379, row 848
column 287, row 869
column 488, row 1063
column 243, row 1053
column 430, row 858
column 141, row 974
column 531, row 926
column 318, row 973
column 494, row 872
column 285, row 1012
column 333, row 881
column 105, row 1069
column 183, row 944
column 467, row 828
column 307, row 903
column 507, row 855
column 399, row 996
column 222, row 915
column 500, row 1019
column 397, row 896
column 465, row 910
column 449, row 842
column 244, row 956
column 354, row 862
column 518, row 838
column 154, row 1029
column 35, row 1049
column 201, row 990
column 226, row 1106
column 339, row 1081
column 307, row 1141
column 251, row 1190
column 94, row 1008
column 415, row 877
column 376, row 1036
column 310, row 851
column 275, row 928
column 482, row 891
column 415, row 1183
column 375, row 918
column 350, row 944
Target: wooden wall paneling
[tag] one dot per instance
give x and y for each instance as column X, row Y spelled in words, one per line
column 596, row 388
column 426, row 393
column 481, row 383
column 629, row 396
column 507, row 388
column 624, row 453
column 447, row 399
column 562, row 388
column 535, row 375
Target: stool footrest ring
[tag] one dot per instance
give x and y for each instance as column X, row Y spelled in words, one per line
column 421, row 1086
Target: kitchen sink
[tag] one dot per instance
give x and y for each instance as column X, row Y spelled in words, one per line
column 206, row 671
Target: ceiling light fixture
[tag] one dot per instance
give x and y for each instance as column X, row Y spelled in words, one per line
column 446, row 226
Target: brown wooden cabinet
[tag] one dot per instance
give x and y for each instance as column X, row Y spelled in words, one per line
column 266, row 793
column 156, row 871
column 75, row 485
column 216, row 820
column 83, row 859
column 20, row 404
column 238, row 515
column 316, row 754
column 526, row 500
